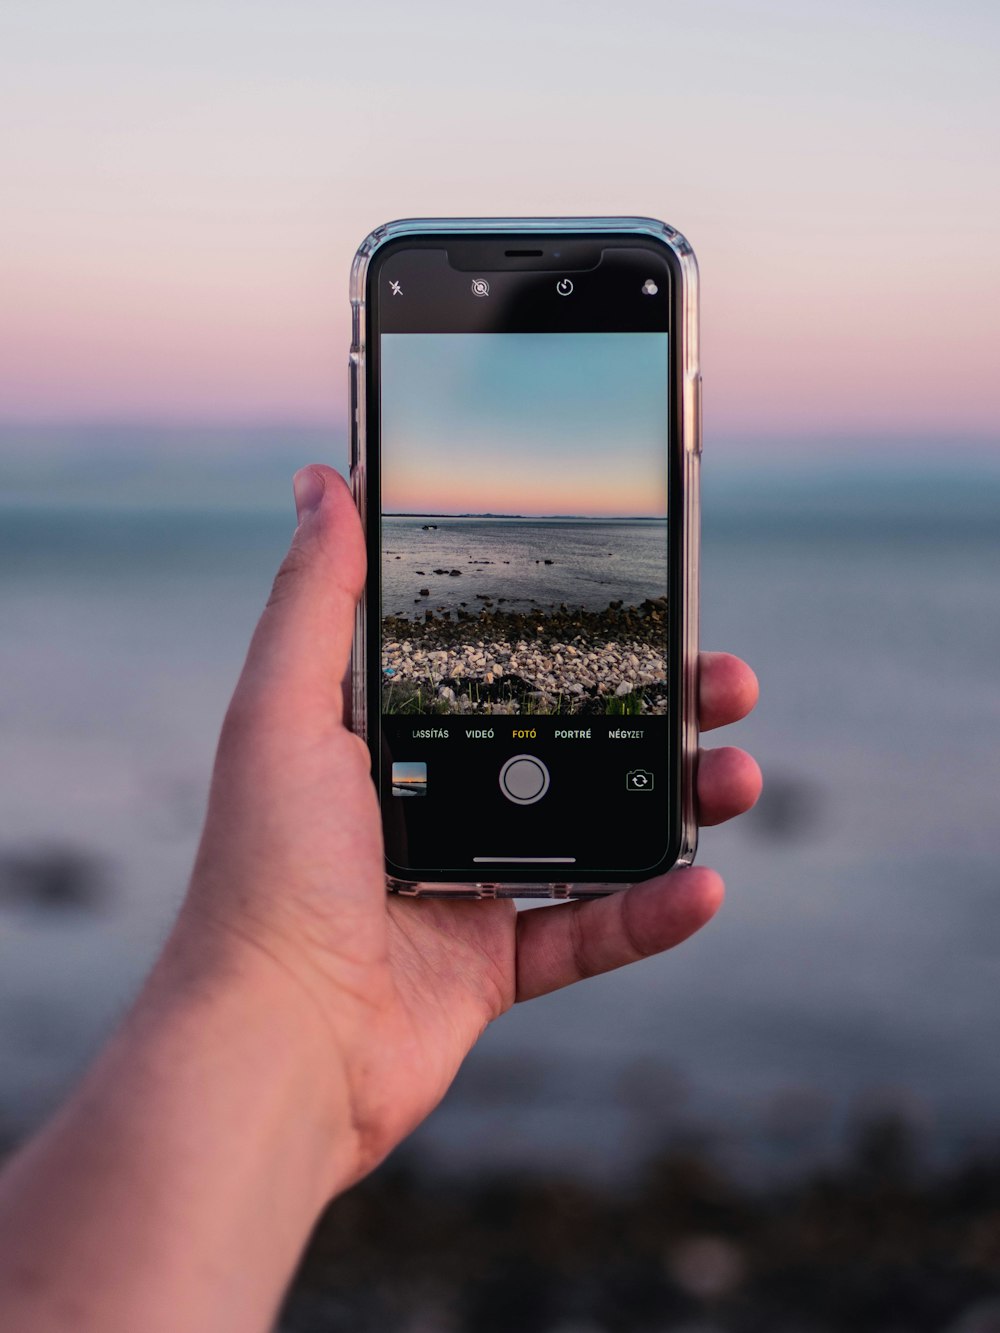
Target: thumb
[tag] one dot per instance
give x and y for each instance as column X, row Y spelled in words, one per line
column 301, row 645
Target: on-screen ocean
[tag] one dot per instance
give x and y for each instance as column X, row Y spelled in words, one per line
column 524, row 564
column 856, row 962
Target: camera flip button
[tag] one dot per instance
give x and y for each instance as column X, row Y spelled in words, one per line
column 524, row 779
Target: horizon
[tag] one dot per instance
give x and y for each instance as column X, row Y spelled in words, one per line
column 152, row 466
column 105, row 434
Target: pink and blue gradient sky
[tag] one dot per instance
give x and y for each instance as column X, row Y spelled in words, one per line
column 185, row 184
column 545, row 423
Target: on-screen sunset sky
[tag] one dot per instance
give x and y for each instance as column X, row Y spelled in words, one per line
column 547, row 423
column 186, row 183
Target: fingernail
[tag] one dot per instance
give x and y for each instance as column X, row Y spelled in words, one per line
column 308, row 486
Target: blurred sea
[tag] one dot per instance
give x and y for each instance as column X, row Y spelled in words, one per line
column 856, row 965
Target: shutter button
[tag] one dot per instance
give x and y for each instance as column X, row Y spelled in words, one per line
column 524, row 779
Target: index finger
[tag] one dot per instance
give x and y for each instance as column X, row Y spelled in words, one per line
column 302, row 641
column 727, row 690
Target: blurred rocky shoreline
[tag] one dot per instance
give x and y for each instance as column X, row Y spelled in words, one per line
column 566, row 661
column 881, row 1243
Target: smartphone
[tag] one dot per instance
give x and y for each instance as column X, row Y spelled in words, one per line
column 525, row 452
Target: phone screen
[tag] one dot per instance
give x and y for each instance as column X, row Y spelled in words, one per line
column 521, row 593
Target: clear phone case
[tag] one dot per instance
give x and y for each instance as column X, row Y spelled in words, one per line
column 689, row 442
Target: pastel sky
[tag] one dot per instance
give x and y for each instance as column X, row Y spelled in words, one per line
column 185, row 183
column 549, row 423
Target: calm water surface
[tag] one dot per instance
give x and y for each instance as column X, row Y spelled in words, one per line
column 530, row 563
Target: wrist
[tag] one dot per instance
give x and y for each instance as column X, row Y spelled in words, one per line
column 199, row 1151
column 224, row 998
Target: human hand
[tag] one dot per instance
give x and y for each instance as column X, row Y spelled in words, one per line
column 391, row 992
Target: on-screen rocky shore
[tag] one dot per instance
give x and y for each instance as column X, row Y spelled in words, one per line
column 562, row 661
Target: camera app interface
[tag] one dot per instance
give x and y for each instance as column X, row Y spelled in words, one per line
column 524, row 625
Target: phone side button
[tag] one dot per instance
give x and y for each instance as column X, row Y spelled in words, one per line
column 352, row 407
column 694, row 414
column 357, row 482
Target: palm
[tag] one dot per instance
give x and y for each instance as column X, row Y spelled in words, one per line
column 453, row 971
column 459, row 956
column 410, row 984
